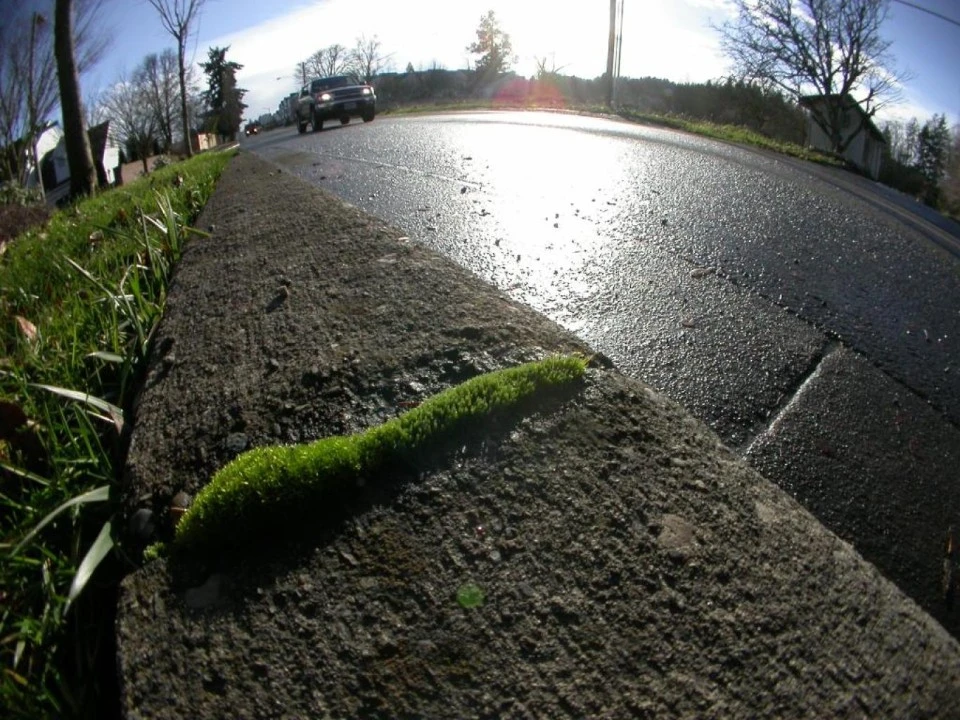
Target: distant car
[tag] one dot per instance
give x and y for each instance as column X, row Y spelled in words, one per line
column 252, row 129
column 339, row 97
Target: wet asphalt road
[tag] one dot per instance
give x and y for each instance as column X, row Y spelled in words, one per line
column 686, row 260
column 789, row 306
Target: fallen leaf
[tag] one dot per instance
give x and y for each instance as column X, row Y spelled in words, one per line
column 689, row 323
column 28, row 329
column 702, row 272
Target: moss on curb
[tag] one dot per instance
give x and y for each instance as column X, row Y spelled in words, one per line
column 258, row 488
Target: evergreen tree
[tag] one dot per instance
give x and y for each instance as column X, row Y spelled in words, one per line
column 933, row 146
column 223, row 98
column 493, row 46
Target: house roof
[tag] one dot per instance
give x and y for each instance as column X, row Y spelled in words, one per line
column 848, row 103
column 98, row 138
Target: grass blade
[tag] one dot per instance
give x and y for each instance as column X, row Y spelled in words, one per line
column 100, row 286
column 98, row 551
column 107, row 357
column 100, row 494
column 17, row 678
column 25, row 474
column 113, row 413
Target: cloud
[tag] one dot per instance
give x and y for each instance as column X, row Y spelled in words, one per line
column 912, row 106
column 720, row 7
column 272, row 49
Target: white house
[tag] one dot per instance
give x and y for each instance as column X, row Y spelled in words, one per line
column 865, row 146
column 55, row 170
column 106, row 153
column 46, row 143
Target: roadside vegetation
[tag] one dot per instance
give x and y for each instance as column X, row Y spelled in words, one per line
column 79, row 300
column 729, row 133
column 732, row 133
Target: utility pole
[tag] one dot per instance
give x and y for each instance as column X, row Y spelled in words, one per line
column 611, row 51
column 616, row 64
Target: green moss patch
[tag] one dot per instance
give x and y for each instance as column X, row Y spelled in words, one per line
column 261, row 487
column 470, row 595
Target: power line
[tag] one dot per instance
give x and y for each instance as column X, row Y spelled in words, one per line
column 929, row 12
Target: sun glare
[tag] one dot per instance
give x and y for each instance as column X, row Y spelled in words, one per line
column 662, row 38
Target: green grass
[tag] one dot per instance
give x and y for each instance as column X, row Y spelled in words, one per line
column 727, row 133
column 259, row 489
column 79, row 300
column 730, row 133
column 445, row 106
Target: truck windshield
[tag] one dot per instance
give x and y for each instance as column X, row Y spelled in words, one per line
column 330, row 83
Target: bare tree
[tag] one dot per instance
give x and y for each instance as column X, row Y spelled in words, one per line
column 83, row 174
column 130, row 112
column 545, row 72
column 23, row 89
column 196, row 108
column 300, row 74
column 177, row 16
column 28, row 73
column 331, row 60
column 830, row 48
column 95, row 109
column 367, row 58
column 160, row 78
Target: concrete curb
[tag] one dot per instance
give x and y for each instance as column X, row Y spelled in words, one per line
column 632, row 564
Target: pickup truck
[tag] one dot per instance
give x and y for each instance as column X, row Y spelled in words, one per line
column 334, row 98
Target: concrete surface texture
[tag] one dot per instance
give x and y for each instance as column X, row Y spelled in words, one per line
column 630, row 564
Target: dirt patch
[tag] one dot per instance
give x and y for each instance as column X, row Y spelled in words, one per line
column 625, row 563
column 16, row 219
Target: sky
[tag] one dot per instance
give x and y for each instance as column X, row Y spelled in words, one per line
column 670, row 39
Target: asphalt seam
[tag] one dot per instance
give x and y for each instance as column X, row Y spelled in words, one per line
column 832, row 338
column 792, row 395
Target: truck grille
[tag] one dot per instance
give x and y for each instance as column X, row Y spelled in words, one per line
column 347, row 93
